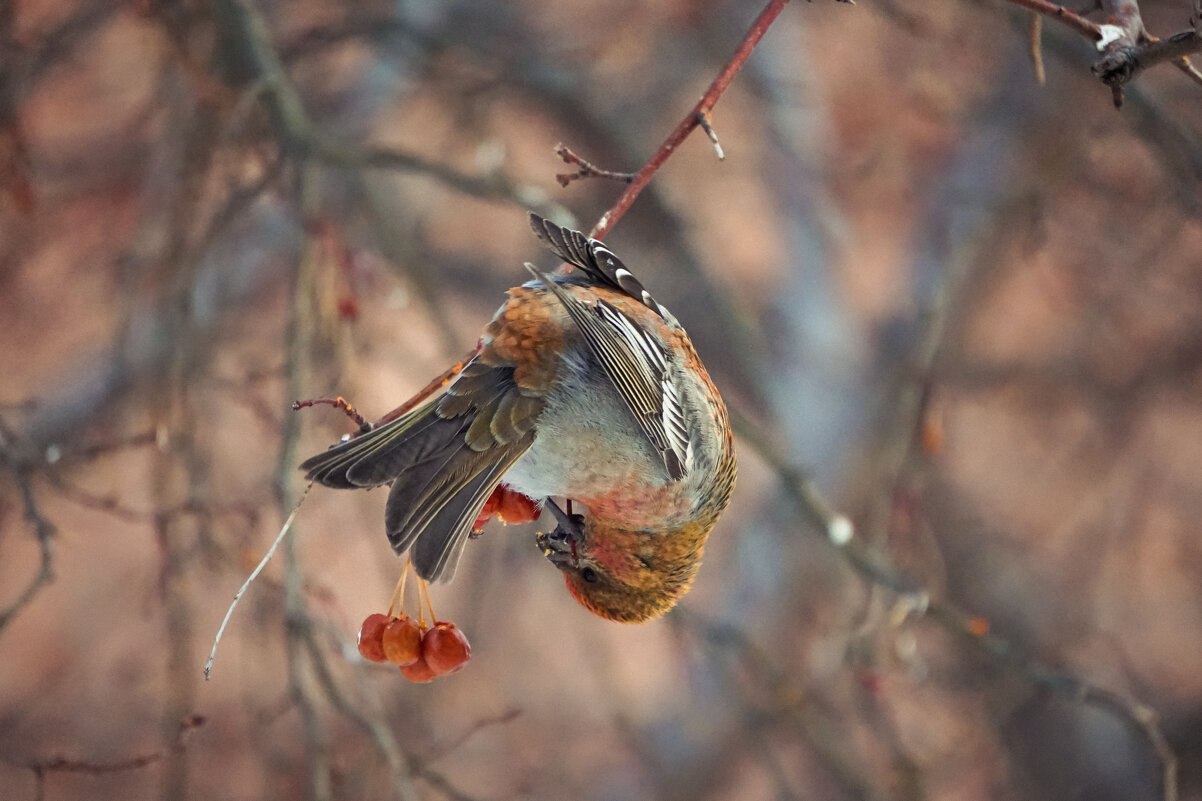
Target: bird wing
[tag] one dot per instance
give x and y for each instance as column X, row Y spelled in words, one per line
column 636, row 365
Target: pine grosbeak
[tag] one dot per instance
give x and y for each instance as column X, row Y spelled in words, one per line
column 583, row 387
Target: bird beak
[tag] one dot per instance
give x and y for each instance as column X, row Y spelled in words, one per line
column 568, row 524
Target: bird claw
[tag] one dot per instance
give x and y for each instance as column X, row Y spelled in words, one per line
column 559, row 547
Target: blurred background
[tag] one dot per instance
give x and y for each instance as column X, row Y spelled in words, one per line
column 966, row 305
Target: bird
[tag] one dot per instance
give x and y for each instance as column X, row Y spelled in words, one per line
column 582, row 387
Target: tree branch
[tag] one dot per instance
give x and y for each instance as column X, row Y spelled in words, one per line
column 1066, row 16
column 246, row 31
column 1127, row 47
column 691, row 120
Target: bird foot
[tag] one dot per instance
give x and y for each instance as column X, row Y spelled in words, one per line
column 559, row 546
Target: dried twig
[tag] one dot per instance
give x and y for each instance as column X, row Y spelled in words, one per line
column 284, row 529
column 1035, row 46
column 1139, row 718
column 338, row 403
column 585, row 169
column 247, row 31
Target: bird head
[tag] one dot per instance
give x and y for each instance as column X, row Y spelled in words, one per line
column 624, row 575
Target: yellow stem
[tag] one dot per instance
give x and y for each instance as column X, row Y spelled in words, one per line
column 426, row 589
column 398, row 595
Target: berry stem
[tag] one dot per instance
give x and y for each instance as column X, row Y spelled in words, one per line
column 398, row 595
column 425, row 585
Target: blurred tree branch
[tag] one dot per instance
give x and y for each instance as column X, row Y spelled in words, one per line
column 874, row 565
column 246, row 31
column 42, row 768
column 44, row 531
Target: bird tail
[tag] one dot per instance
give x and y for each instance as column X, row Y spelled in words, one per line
column 439, row 482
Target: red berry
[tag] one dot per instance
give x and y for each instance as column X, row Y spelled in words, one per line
column 419, row 672
column 370, row 634
column 445, row 649
column 402, row 641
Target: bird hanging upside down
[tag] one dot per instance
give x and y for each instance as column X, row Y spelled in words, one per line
column 583, row 387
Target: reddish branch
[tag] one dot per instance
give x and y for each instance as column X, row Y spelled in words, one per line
column 338, row 403
column 1072, row 19
column 692, row 119
column 60, row 764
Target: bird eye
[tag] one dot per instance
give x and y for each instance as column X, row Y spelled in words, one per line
column 589, row 575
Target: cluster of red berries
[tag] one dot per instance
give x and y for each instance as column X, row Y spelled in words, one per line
column 422, row 652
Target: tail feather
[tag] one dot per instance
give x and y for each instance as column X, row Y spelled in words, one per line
column 420, row 491
column 446, row 524
column 428, row 441
column 364, row 461
column 440, row 482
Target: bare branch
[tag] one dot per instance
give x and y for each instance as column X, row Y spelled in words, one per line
column 1035, row 45
column 1140, row 719
column 1066, row 16
column 585, row 169
column 1127, row 47
column 691, row 120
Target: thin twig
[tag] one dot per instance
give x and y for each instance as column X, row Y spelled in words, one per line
column 1066, row 16
column 585, row 169
column 399, row 762
column 692, row 119
column 1139, row 718
column 246, row 28
column 429, row 389
column 284, row 529
column 338, row 403
column 439, row 750
column 61, row 764
column 703, row 119
column 44, row 532
column 1035, row 47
